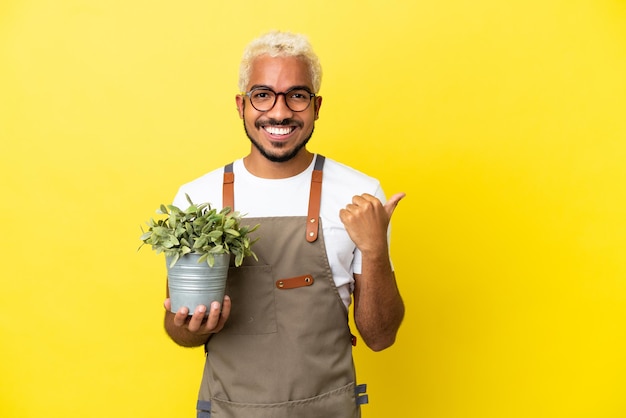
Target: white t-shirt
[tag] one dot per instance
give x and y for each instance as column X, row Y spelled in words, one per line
column 260, row 197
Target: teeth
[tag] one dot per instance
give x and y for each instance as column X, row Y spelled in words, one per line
column 277, row 130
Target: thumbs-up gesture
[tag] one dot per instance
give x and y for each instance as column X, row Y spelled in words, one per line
column 366, row 220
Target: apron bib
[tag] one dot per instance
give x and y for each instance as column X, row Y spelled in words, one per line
column 286, row 349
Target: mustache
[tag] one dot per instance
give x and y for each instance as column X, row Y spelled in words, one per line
column 275, row 122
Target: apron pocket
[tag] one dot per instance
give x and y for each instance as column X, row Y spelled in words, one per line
column 251, row 289
column 339, row 403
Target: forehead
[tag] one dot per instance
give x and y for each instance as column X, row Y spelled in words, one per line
column 279, row 73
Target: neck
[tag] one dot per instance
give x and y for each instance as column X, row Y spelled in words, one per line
column 260, row 166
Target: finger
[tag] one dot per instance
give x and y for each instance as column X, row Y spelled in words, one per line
column 218, row 318
column 181, row 316
column 356, row 199
column 351, row 207
column 364, row 199
column 213, row 318
column 167, row 304
column 225, row 314
column 391, row 204
column 197, row 318
column 226, row 307
column 345, row 215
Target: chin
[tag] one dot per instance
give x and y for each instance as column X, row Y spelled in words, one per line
column 280, row 154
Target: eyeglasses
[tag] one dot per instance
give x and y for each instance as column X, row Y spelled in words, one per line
column 263, row 99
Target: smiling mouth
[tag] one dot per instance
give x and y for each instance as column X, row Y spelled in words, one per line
column 279, row 130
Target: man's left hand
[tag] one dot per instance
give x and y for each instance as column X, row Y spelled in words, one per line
column 366, row 220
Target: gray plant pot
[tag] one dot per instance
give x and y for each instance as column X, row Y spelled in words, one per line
column 191, row 283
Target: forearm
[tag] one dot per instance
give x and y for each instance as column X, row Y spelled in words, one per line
column 378, row 306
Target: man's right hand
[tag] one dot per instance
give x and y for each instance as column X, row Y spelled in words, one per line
column 194, row 330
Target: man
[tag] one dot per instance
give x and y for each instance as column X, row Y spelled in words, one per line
column 280, row 346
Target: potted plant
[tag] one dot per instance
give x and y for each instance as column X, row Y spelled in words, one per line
column 198, row 244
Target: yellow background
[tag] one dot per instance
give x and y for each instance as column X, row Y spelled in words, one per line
column 504, row 121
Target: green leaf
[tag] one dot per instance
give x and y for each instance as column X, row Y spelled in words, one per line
column 215, row 234
column 201, row 229
column 175, row 258
column 238, row 259
column 218, row 249
column 201, row 242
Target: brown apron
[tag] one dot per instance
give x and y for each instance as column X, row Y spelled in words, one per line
column 285, row 351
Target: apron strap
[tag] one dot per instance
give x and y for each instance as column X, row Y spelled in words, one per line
column 315, row 196
column 228, row 189
column 203, row 409
column 361, row 396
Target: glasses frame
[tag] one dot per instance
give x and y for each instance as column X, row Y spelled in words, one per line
column 284, row 94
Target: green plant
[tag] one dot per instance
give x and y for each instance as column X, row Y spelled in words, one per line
column 199, row 229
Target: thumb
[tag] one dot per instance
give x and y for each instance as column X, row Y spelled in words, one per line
column 391, row 204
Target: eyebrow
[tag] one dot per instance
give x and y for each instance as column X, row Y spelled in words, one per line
column 263, row 86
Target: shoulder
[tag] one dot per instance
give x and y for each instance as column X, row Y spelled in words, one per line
column 343, row 179
column 333, row 167
column 207, row 188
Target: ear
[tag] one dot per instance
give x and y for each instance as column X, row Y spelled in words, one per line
column 239, row 99
column 318, row 104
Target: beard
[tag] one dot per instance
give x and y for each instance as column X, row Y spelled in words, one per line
column 276, row 157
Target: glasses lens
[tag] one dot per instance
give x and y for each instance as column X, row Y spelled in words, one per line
column 298, row 100
column 262, row 99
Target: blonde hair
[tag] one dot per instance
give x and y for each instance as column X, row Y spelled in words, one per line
column 280, row 44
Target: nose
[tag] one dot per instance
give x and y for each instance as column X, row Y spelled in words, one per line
column 280, row 111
